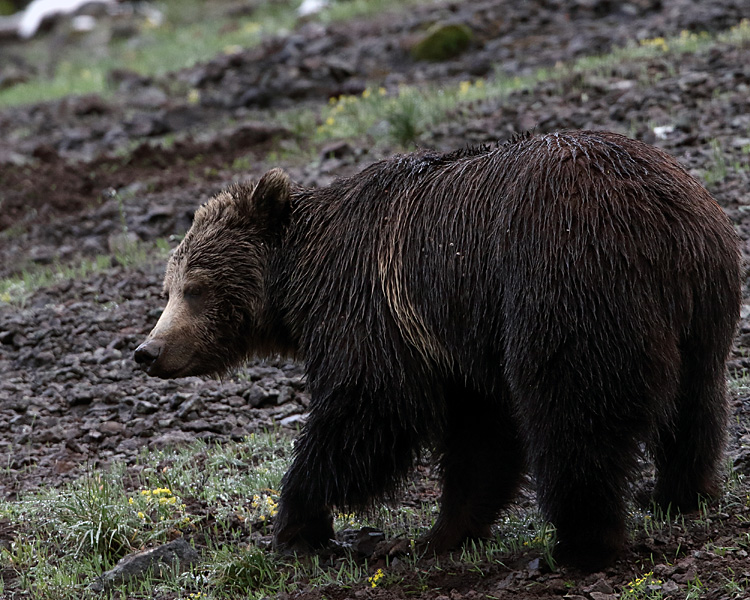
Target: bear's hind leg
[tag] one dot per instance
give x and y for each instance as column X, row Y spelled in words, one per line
column 584, row 437
column 481, row 464
column 687, row 451
column 586, row 409
column 581, row 479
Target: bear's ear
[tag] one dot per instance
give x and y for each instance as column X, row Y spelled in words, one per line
column 271, row 199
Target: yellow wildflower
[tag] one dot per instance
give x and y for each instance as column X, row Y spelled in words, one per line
column 657, row 42
column 375, row 579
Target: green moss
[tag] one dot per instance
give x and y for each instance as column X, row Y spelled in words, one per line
column 443, row 41
column 6, row 7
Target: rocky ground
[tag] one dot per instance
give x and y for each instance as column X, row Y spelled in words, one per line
column 88, row 176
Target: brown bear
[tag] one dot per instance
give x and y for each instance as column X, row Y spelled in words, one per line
column 549, row 304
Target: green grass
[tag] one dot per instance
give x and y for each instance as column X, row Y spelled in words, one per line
column 242, row 571
column 718, row 168
column 68, row 536
column 350, row 9
column 723, row 162
column 684, row 43
column 740, row 383
column 17, row 289
column 218, row 495
column 214, row 495
column 401, row 116
column 192, row 32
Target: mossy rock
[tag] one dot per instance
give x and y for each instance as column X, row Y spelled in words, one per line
column 442, row 41
column 7, row 7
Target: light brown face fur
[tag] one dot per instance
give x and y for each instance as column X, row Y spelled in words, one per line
column 177, row 337
column 215, row 283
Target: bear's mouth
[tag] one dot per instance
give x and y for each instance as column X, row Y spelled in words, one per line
column 154, row 358
column 157, row 370
column 191, row 368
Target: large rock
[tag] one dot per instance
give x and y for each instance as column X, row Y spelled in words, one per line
column 174, row 556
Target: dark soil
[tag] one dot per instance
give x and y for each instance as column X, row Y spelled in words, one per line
column 79, row 175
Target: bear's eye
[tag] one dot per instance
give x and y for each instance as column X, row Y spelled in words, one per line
column 192, row 291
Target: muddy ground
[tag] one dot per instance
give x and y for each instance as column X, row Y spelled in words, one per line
column 85, row 176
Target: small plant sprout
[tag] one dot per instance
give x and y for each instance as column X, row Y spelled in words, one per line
column 695, row 589
column 251, row 570
column 718, row 169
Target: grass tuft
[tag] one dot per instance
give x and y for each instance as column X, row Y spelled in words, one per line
column 16, row 290
column 247, row 570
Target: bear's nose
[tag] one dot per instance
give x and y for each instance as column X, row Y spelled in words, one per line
column 147, row 353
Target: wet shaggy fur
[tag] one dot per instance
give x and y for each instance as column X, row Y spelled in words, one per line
column 547, row 305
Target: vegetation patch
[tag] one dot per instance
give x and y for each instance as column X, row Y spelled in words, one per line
column 221, row 498
column 17, row 289
column 442, row 42
column 401, row 116
column 191, row 32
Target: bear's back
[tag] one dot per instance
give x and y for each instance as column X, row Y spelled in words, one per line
column 454, row 248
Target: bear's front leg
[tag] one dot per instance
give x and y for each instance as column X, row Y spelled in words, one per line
column 481, row 463
column 304, row 522
column 356, row 447
column 301, row 528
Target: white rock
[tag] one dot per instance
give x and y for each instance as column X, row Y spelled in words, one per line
column 310, row 7
column 39, row 10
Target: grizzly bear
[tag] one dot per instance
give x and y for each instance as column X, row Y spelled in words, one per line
column 553, row 304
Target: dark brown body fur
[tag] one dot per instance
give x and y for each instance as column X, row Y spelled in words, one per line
column 546, row 305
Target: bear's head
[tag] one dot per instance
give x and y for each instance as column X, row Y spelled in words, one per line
column 217, row 310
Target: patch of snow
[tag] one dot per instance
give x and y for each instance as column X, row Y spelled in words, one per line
column 39, row 10
column 310, row 7
column 662, row 131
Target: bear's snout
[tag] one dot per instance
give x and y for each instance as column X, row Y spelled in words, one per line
column 147, row 353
